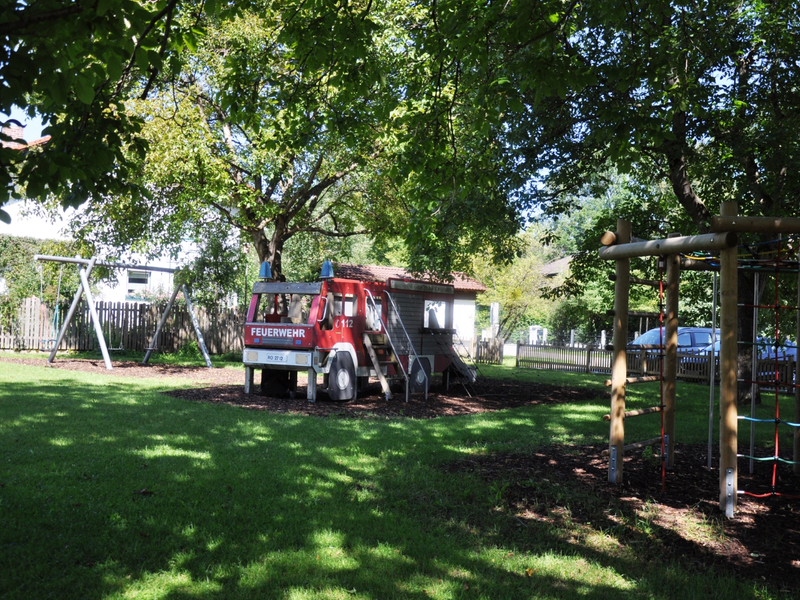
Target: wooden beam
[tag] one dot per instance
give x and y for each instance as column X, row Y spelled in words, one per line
column 671, row 353
column 609, row 238
column 636, row 445
column 642, row 379
column 728, row 474
column 637, row 413
column 755, row 224
column 637, row 281
column 691, row 243
column 619, row 368
column 636, row 313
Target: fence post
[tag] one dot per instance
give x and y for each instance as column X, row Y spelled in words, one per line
column 588, row 359
column 728, row 418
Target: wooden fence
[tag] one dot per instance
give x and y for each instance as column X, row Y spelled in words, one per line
column 489, row 352
column 691, row 367
column 126, row 326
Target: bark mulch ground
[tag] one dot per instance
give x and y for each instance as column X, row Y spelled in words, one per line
column 762, row 543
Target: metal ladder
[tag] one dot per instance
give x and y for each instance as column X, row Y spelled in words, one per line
column 383, row 353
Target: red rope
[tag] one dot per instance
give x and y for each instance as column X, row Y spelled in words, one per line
column 770, row 494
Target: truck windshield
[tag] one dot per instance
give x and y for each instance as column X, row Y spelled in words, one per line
column 285, row 302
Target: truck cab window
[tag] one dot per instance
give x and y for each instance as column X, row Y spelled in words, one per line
column 266, row 309
column 350, row 305
column 346, row 306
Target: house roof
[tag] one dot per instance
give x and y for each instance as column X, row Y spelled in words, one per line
column 15, row 130
column 557, row 267
column 461, row 282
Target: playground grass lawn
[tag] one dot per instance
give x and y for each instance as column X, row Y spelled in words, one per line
column 111, row 489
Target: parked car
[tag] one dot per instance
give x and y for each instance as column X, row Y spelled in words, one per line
column 690, row 339
column 766, row 349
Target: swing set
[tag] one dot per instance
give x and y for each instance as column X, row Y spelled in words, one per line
column 621, row 247
column 46, row 344
column 86, row 267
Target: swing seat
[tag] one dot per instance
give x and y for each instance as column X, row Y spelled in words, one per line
column 46, row 345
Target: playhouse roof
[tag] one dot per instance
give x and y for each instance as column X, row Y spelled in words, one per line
column 461, row 282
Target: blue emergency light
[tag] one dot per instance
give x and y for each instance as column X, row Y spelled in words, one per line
column 327, row 270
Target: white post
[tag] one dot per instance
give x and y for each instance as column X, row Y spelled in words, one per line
column 195, row 323
column 98, row 328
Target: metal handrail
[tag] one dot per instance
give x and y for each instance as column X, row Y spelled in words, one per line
column 371, row 301
column 410, row 345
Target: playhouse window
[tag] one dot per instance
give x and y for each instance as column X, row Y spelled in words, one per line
column 435, row 316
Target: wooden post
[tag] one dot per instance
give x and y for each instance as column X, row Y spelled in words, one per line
column 619, row 368
column 728, row 424
column 796, row 466
column 671, row 354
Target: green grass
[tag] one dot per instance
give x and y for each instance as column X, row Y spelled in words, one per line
column 111, row 489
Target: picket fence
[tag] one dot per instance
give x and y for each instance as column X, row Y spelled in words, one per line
column 691, row 367
column 126, row 326
column 488, row 352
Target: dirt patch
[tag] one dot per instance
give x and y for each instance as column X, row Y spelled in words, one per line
column 683, row 520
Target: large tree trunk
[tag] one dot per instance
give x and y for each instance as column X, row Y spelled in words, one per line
column 271, row 249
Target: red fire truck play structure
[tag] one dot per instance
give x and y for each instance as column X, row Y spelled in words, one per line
column 400, row 330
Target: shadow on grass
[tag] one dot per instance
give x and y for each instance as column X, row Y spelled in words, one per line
column 110, row 489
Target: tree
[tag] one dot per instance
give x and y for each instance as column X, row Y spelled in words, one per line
column 23, row 277
column 519, row 287
column 265, row 137
column 76, row 64
column 700, row 96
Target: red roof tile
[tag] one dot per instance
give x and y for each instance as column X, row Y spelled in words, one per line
column 461, row 282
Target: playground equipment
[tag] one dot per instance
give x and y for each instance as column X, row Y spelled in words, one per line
column 87, row 265
column 48, row 343
column 349, row 330
column 725, row 228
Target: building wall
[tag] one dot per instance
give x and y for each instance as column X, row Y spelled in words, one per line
column 464, row 318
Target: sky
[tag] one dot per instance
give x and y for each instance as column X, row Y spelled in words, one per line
column 32, row 226
column 33, row 127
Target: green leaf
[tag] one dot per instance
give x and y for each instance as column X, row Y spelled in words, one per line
column 84, row 89
column 5, row 217
column 141, row 59
column 103, row 6
column 113, row 65
column 190, row 41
